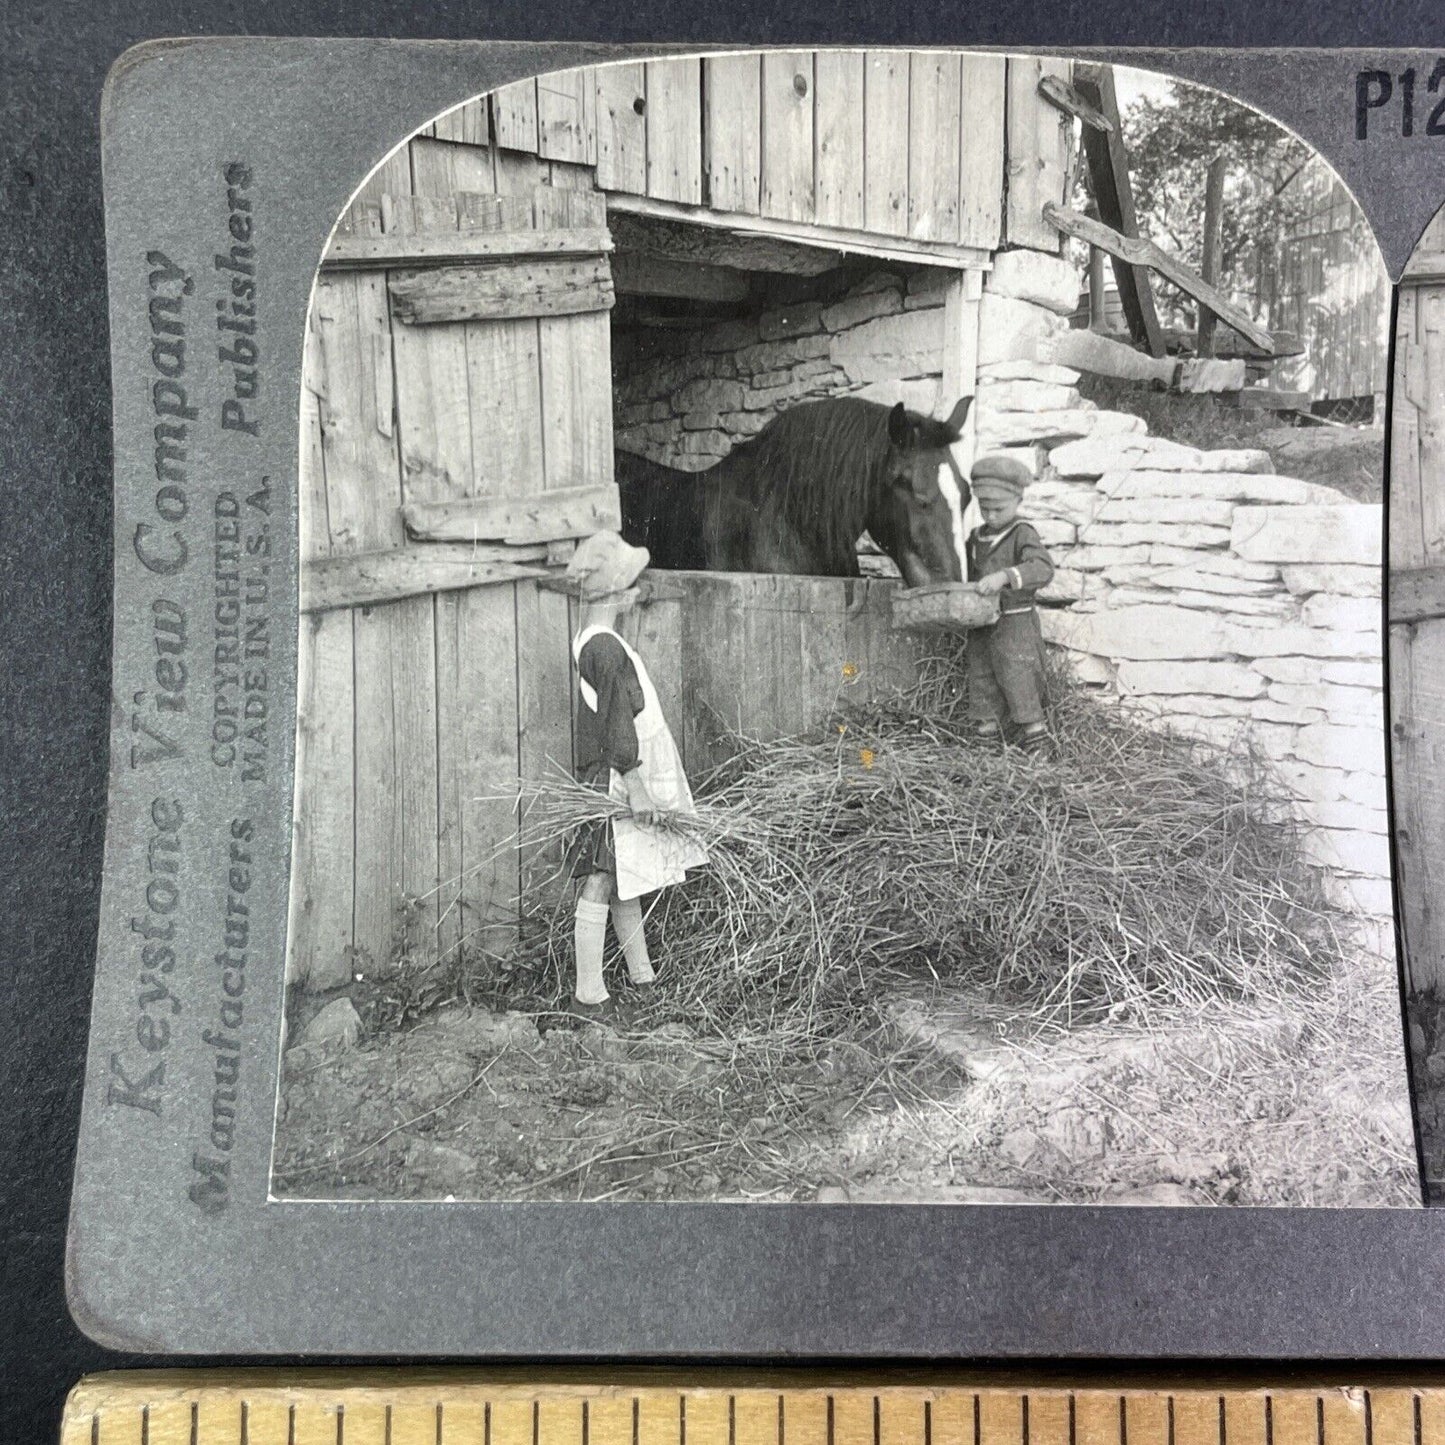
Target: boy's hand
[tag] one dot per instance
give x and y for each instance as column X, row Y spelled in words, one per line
column 992, row 584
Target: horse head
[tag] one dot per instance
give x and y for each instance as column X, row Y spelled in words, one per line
column 917, row 515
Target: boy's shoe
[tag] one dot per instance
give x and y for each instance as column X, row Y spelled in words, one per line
column 1035, row 741
column 988, row 736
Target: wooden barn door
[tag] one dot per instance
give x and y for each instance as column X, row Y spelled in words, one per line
column 458, row 437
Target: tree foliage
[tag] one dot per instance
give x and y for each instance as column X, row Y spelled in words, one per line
column 1171, row 142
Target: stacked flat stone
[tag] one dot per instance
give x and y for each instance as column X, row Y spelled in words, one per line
column 1216, row 598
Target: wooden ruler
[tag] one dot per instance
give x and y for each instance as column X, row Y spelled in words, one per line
column 416, row 1407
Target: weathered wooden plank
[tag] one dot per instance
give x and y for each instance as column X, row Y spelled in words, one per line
column 514, row 116
column 506, row 410
column 1037, row 152
column 396, row 780
column 961, row 308
column 1417, row 593
column 1424, row 266
column 983, row 92
column 536, row 287
column 787, row 135
column 838, row 78
column 1407, row 539
column 1417, row 750
column 363, row 579
column 432, row 392
column 453, row 247
column 885, row 142
column 1138, row 251
column 544, row 714
column 674, row 130
column 517, row 519
column 319, row 929
column 567, row 116
column 637, row 274
column 1430, row 319
column 465, row 124
column 822, row 649
column 655, row 629
column 319, row 934
column 798, row 237
column 444, row 169
column 933, row 145
column 476, row 769
column 621, row 128
column 519, row 173
column 732, row 133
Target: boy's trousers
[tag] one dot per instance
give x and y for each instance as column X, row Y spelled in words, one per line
column 1006, row 671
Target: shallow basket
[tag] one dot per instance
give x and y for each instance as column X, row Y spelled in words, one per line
column 943, row 607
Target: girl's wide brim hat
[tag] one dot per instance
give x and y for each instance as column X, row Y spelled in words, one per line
column 604, row 565
column 999, row 476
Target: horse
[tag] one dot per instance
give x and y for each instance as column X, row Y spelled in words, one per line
column 797, row 497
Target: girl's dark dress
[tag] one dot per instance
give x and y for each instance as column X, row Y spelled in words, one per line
column 606, row 739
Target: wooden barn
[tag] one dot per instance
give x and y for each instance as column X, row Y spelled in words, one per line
column 658, row 256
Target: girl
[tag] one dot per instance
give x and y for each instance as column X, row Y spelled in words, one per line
column 624, row 747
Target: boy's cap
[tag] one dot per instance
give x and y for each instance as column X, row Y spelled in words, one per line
column 999, row 476
column 604, row 564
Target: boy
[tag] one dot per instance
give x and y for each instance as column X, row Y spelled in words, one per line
column 1006, row 660
column 623, row 748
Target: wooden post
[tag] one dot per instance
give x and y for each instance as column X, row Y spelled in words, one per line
column 1098, row 301
column 1109, row 175
column 1212, row 256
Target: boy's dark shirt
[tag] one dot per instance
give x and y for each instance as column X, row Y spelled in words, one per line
column 1017, row 546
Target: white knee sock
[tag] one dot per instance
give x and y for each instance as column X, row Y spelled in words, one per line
column 589, row 935
column 627, row 920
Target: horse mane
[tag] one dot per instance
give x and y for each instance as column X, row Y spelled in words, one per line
column 819, row 464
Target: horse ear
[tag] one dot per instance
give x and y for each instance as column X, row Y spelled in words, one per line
column 899, row 432
column 959, row 414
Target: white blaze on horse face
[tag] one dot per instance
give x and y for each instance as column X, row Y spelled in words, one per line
column 948, row 485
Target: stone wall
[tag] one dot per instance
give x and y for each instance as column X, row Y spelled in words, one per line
column 693, row 395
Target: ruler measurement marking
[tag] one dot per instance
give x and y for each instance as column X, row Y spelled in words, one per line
column 1073, row 1437
column 978, row 1420
column 1418, row 1430
column 1024, row 1417
column 1269, row 1420
column 1320, row 1419
column 681, row 1420
column 1169, row 1420
column 341, row 1425
column 1223, row 1430
column 1369, row 1420
column 928, row 1422
column 830, row 1422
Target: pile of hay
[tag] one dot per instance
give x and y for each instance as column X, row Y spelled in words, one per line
column 1137, row 872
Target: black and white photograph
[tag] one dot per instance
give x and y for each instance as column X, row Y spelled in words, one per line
column 841, row 652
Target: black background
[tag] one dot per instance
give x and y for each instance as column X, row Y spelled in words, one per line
column 55, row 492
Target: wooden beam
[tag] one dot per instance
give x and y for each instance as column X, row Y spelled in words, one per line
column 1213, row 249
column 542, row 517
column 637, row 274
column 1057, row 91
column 566, row 286
column 834, row 239
column 1424, row 266
column 361, row 579
column 443, row 248
column 1137, row 252
column 1417, row 594
column 1114, row 195
column 674, row 240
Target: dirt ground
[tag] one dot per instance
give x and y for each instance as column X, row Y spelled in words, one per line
column 1239, row 1105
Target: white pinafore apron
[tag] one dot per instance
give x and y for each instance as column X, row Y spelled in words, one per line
column 648, row 858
